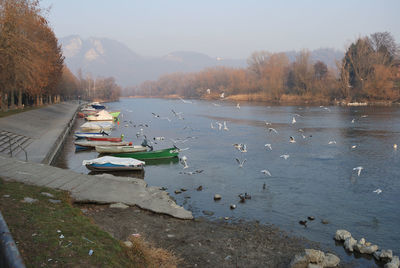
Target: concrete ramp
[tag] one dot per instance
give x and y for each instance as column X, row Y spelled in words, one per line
column 103, row 189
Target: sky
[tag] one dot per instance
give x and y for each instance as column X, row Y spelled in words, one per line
column 224, row 28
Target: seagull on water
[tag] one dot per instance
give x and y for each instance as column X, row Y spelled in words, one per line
column 185, row 101
column 285, row 156
column 378, row 191
column 268, row 145
column 266, row 172
column 291, row 139
column 358, row 170
column 240, row 163
column 353, row 146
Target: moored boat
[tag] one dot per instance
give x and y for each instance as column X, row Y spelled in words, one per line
column 115, row 114
column 105, row 138
column 93, row 144
column 100, row 116
column 84, row 135
column 120, row 149
column 98, row 126
column 149, row 155
column 110, row 163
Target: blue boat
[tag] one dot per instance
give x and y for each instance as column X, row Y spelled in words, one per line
column 110, row 163
column 98, row 106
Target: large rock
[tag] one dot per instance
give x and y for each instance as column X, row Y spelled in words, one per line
column 330, row 260
column 362, row 248
column 341, row 235
column 349, row 244
column 383, row 255
column 394, row 263
column 299, row 261
column 315, row 256
column 314, row 265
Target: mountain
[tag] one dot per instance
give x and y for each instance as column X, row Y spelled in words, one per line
column 106, row 57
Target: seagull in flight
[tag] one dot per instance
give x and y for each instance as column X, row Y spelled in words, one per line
column 332, row 142
column 212, row 126
column 240, row 163
column 285, row 156
column 238, row 105
column 353, row 146
column 222, row 95
column 225, row 127
column 185, row 101
column 293, row 120
column 219, row 125
column 353, row 120
column 268, row 145
column 358, row 170
column 266, row 172
column 267, row 123
column 183, row 162
column 272, row 129
column 378, row 191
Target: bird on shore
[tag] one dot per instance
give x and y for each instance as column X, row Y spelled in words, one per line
column 268, row 145
column 241, row 163
column 358, row 170
column 266, row 172
column 208, row 91
column 222, row 95
column 378, row 191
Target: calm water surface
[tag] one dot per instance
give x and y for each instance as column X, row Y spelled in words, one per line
column 316, row 180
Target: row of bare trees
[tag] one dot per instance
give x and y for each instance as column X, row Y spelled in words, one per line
column 32, row 70
column 367, row 72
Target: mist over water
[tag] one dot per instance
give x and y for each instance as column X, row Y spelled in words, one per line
column 317, row 179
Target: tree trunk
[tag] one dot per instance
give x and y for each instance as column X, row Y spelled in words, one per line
column 37, row 100
column 12, row 99
column 20, row 98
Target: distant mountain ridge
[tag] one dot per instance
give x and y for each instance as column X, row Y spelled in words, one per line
column 107, row 57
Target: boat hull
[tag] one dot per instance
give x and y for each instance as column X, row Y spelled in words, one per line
column 114, row 139
column 112, row 167
column 151, row 155
column 120, row 149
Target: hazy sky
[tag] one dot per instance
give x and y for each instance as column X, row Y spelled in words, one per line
column 225, row 28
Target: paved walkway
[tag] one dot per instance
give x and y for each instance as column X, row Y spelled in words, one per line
column 44, row 129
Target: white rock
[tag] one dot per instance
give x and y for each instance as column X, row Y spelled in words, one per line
column 128, row 244
column 364, row 249
column 119, row 205
column 394, row 263
column 29, row 200
column 6, row 195
column 341, row 235
column 330, row 260
column 299, row 261
column 315, row 256
column 349, row 243
column 47, row 194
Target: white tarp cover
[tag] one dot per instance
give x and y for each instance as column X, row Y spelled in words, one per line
column 97, row 125
column 114, row 160
column 102, row 115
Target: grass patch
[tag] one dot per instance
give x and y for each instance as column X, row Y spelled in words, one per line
column 38, row 227
column 17, row 111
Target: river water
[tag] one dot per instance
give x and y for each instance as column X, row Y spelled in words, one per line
column 317, row 179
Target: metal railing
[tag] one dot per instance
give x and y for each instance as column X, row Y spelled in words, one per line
column 19, row 146
column 9, row 254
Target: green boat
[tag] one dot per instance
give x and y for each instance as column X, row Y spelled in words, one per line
column 151, row 155
column 115, row 114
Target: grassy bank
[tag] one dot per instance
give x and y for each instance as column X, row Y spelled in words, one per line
column 17, row 111
column 58, row 235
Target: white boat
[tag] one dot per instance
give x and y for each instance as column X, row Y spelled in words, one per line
column 111, row 163
column 83, row 135
column 98, row 126
column 120, row 149
column 86, row 143
column 103, row 115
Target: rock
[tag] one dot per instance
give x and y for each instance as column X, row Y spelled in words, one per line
column 226, row 218
column 323, row 221
column 170, row 235
column 227, row 258
column 163, row 188
column 349, row 244
column 386, row 255
column 199, row 188
column 54, row 201
column 29, row 200
column 47, row 194
column 119, row 205
column 365, row 249
column 330, row 260
column 6, row 195
column 232, row 206
column 315, row 256
column 128, row 244
column 314, row 265
column 177, row 192
column 208, row 213
column 217, row 197
column 377, row 255
column 341, row 235
column 394, row 263
column 299, row 261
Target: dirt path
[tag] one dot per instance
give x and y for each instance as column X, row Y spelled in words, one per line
column 201, row 243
